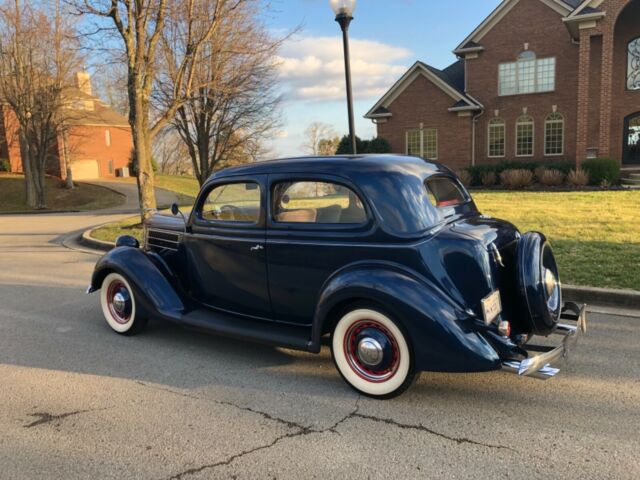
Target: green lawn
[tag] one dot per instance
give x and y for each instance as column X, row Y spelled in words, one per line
column 83, row 197
column 185, row 185
column 595, row 235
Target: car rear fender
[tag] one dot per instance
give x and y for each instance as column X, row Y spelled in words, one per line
column 437, row 328
column 154, row 290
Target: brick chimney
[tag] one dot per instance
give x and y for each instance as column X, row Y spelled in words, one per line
column 83, row 82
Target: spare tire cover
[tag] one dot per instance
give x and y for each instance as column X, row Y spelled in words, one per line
column 538, row 283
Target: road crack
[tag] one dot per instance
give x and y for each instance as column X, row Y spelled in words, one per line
column 301, row 430
column 46, row 417
column 422, row 428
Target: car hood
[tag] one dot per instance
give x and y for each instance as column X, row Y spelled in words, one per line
column 166, row 222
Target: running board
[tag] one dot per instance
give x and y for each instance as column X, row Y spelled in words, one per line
column 259, row 331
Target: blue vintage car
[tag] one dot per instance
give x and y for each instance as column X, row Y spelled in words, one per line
column 384, row 257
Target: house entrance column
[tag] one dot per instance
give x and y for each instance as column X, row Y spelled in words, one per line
column 606, row 90
column 584, row 69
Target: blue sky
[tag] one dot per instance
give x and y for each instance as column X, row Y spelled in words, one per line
column 386, row 38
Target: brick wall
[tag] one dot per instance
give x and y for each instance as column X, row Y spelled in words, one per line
column 89, row 143
column 532, row 22
column 623, row 102
column 10, row 141
column 423, row 102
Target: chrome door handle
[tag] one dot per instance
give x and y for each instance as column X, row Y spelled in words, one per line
column 256, row 248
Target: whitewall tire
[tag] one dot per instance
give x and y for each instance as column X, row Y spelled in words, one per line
column 371, row 353
column 119, row 305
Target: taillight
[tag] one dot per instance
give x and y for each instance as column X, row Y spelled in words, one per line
column 504, row 328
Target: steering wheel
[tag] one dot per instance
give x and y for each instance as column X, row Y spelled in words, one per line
column 231, row 209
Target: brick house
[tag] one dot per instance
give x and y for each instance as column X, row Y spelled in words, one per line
column 97, row 142
column 538, row 80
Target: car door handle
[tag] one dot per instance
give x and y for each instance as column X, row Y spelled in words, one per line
column 256, row 248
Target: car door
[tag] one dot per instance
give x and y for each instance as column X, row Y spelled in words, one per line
column 315, row 226
column 226, row 247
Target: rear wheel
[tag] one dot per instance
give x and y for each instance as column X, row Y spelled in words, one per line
column 371, row 353
column 119, row 305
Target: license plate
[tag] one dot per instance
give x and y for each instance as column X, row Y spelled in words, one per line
column 491, row 307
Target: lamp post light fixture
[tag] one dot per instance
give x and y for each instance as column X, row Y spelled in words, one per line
column 343, row 10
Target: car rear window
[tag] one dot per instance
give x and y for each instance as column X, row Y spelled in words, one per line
column 444, row 192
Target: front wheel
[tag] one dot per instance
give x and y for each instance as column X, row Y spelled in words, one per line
column 372, row 354
column 119, row 305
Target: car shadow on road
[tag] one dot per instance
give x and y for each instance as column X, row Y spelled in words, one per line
column 62, row 329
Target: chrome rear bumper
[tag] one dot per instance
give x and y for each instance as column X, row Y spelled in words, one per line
column 539, row 366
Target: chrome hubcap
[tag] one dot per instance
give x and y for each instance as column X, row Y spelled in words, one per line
column 551, row 286
column 119, row 302
column 370, row 352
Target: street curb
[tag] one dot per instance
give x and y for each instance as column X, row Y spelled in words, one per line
column 619, row 298
column 87, row 240
column 622, row 298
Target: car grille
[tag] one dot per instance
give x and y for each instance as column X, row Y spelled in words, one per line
column 163, row 239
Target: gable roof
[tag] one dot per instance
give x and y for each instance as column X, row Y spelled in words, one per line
column 84, row 109
column 573, row 3
column 450, row 80
column 471, row 43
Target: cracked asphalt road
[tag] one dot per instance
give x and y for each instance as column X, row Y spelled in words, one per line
column 77, row 401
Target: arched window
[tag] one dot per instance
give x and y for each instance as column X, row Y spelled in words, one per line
column 497, row 134
column 554, row 134
column 633, row 66
column 528, row 74
column 524, row 136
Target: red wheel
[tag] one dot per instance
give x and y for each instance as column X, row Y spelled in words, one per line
column 371, row 353
column 119, row 305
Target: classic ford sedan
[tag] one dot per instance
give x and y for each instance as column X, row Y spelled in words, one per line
column 385, row 258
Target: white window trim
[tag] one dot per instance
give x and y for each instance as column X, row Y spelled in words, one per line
column 533, row 138
column 535, row 73
column 546, row 121
column 107, row 137
column 504, row 127
column 421, row 130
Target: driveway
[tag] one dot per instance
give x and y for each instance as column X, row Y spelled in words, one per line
column 164, row 198
column 78, row 401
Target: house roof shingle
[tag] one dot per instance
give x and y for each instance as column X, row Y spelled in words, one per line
column 85, row 109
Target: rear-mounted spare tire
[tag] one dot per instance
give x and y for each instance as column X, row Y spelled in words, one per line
column 538, row 283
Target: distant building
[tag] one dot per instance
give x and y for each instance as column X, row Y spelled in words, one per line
column 97, row 142
column 538, row 80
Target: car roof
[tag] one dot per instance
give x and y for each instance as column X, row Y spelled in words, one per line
column 349, row 166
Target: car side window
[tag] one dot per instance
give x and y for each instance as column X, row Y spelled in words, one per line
column 316, row 202
column 233, row 203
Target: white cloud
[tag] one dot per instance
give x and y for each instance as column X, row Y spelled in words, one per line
column 312, row 68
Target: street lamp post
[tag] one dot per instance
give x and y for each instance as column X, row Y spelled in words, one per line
column 343, row 10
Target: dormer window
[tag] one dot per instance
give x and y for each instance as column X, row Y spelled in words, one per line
column 633, row 68
column 528, row 74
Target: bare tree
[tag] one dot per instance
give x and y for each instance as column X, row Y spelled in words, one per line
column 227, row 118
column 314, row 134
column 171, row 154
column 141, row 25
column 328, row 146
column 36, row 65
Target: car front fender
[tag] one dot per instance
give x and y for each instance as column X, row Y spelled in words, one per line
column 437, row 328
column 154, row 290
